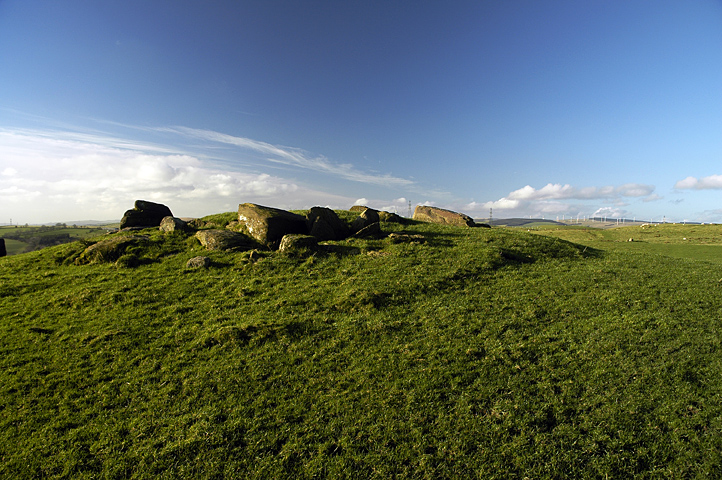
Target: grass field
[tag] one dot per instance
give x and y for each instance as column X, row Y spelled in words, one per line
column 697, row 242
column 479, row 353
column 19, row 239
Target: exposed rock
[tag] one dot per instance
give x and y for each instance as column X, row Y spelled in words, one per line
column 366, row 218
column 439, row 215
column 269, row 225
column 358, row 208
column 324, row 224
column 3, row 252
column 406, row 238
column 145, row 214
column 225, row 240
column 110, row 250
column 199, row 262
column 173, row 224
column 371, row 230
column 196, row 223
column 391, row 217
column 298, row 244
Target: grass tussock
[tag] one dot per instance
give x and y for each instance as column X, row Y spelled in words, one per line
column 477, row 353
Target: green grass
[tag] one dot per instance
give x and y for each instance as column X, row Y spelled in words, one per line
column 697, row 242
column 481, row 353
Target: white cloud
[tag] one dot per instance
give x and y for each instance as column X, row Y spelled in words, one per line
column 48, row 178
column 712, row 182
column 556, row 199
column 558, row 191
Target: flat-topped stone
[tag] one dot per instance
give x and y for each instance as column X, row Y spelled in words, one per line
column 440, row 215
column 225, row 240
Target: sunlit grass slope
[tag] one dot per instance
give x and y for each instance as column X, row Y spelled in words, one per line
column 698, row 242
column 481, row 353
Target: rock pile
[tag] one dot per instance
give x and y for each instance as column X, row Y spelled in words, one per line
column 259, row 226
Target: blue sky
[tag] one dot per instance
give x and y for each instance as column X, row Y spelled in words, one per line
column 533, row 108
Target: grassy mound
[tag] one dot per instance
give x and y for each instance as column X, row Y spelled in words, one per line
column 477, row 353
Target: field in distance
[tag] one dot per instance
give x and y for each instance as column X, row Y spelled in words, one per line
column 695, row 241
column 23, row 239
column 456, row 353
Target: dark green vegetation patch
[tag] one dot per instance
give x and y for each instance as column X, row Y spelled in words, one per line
column 475, row 353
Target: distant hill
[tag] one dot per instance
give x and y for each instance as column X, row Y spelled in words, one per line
column 79, row 223
column 517, row 222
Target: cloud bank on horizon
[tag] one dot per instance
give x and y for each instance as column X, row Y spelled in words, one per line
column 70, row 175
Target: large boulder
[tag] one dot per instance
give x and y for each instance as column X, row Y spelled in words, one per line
column 268, row 225
column 439, row 215
column 173, row 224
column 3, row 252
column 111, row 249
column 225, row 240
column 298, row 245
column 324, row 224
column 366, row 218
column 145, row 214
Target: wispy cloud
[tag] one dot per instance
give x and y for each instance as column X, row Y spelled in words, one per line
column 292, row 156
column 712, row 182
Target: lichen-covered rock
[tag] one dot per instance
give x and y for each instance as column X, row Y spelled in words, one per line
column 198, row 262
column 268, row 225
column 298, row 244
column 173, row 224
column 111, row 249
column 145, row 214
column 225, row 240
column 324, row 224
column 439, row 215
column 3, row 252
column 366, row 218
